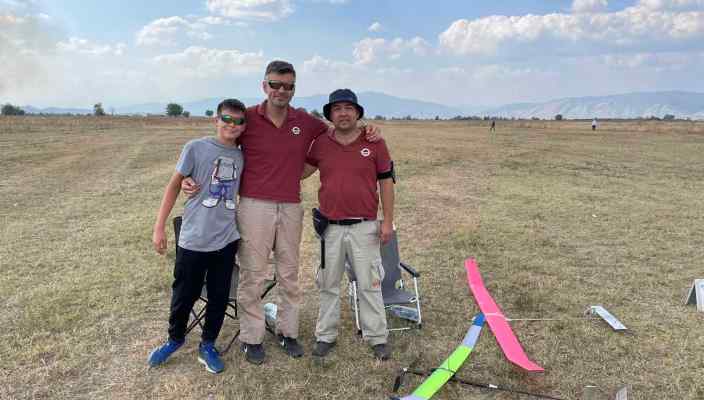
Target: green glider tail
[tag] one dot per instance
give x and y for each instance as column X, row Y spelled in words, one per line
column 449, row 367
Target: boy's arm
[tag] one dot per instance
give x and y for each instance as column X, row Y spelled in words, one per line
column 308, row 170
column 386, row 191
column 167, row 204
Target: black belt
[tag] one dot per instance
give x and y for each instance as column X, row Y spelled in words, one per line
column 348, row 221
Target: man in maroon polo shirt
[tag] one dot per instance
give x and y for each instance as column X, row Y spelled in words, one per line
column 269, row 215
column 350, row 168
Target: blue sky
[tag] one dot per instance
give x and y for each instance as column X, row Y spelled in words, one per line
column 455, row 52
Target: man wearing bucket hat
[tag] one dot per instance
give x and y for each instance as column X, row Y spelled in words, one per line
column 350, row 168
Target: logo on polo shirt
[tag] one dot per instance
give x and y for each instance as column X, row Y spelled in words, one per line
column 296, row 130
column 365, row 152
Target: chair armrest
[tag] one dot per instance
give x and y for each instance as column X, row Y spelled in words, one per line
column 410, row 270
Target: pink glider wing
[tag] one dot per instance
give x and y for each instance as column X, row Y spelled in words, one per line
column 497, row 321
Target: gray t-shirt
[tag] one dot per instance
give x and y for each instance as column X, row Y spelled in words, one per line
column 209, row 217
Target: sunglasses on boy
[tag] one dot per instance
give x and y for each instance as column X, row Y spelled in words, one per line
column 276, row 85
column 232, row 120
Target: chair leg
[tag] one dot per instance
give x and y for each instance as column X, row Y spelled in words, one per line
column 229, row 345
column 420, row 317
column 232, row 306
column 197, row 318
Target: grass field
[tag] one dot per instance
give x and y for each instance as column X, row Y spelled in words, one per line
column 558, row 217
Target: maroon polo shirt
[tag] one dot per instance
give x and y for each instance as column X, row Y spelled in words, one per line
column 274, row 157
column 348, row 183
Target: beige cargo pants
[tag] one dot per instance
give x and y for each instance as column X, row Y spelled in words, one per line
column 359, row 245
column 266, row 226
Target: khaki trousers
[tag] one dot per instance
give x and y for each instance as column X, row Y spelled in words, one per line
column 359, row 245
column 266, row 226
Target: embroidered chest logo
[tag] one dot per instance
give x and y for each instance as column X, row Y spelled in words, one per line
column 365, row 152
column 296, row 130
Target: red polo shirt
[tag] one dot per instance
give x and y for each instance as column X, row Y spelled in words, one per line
column 274, row 157
column 348, row 184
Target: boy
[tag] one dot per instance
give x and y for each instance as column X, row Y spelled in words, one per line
column 209, row 236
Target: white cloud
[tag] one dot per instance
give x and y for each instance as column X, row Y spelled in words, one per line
column 375, row 27
column 25, row 42
column 84, row 46
column 213, row 20
column 369, row 50
column 268, row 10
column 318, row 64
column 18, row 5
column 589, row 6
column 202, row 63
column 672, row 4
column 322, row 75
column 660, row 62
column 163, row 31
column 9, row 19
column 632, row 28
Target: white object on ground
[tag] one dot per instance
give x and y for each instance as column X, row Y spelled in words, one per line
column 608, row 317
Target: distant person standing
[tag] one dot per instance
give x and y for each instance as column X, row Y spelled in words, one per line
column 492, row 128
column 594, row 124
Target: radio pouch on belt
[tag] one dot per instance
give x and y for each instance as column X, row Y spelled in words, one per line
column 320, row 224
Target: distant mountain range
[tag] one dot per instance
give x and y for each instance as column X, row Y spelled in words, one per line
column 56, row 110
column 631, row 105
column 373, row 103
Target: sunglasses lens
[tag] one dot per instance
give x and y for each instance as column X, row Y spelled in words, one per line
column 276, row 85
column 232, row 121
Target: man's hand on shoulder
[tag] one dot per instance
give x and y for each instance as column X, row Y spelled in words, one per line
column 372, row 133
column 189, row 187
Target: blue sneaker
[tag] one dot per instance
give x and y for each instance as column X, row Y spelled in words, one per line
column 208, row 355
column 159, row 355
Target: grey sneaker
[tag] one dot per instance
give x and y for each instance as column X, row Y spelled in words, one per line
column 291, row 346
column 381, row 352
column 322, row 349
column 254, row 353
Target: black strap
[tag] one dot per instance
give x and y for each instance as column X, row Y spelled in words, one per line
column 391, row 173
column 385, row 175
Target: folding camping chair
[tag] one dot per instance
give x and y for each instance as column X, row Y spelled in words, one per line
column 231, row 309
column 392, row 286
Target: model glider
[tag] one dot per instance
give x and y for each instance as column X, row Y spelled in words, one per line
column 497, row 321
column 449, row 367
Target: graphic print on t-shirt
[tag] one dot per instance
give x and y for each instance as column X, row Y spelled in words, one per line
column 222, row 183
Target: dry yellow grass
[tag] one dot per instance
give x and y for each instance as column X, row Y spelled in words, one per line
column 558, row 217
